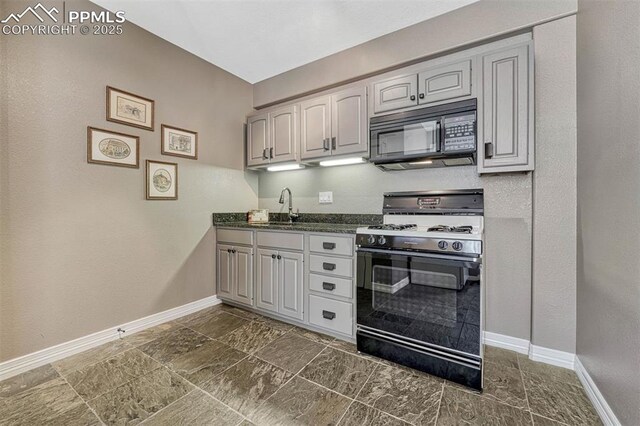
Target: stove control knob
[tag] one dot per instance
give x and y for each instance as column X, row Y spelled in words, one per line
column 442, row 245
column 371, row 239
column 457, row 246
column 382, row 240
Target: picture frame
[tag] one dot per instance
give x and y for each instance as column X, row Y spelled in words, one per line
column 112, row 148
column 161, row 180
column 130, row 109
column 179, row 142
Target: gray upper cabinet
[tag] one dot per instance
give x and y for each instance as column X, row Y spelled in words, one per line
column 444, row 82
column 349, row 121
column 315, row 127
column 505, row 117
column 284, row 134
column 395, row 93
column 258, row 140
column 290, row 280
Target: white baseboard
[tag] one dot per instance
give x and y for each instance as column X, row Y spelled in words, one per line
column 597, row 399
column 27, row 362
column 506, row 342
column 552, row 356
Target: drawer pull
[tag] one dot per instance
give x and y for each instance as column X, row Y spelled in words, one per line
column 328, row 286
column 273, row 256
column 328, row 246
column 328, row 315
column 328, row 266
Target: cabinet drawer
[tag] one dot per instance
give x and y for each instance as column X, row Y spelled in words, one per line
column 331, row 285
column 331, row 265
column 342, row 246
column 331, row 314
column 282, row 240
column 235, row 236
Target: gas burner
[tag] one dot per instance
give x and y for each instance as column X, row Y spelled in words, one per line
column 392, row 227
column 454, row 229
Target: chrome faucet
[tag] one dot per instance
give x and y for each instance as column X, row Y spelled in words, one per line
column 292, row 215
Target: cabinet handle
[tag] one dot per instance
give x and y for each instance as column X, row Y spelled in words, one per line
column 228, row 250
column 328, row 315
column 325, row 144
column 233, row 250
column 328, row 266
column 264, row 154
column 333, row 142
column 328, row 286
column 328, row 246
column 413, row 97
column 421, row 95
column 273, row 256
column 279, row 257
column 270, row 152
column 488, row 149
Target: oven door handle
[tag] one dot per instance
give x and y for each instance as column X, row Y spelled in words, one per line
column 461, row 259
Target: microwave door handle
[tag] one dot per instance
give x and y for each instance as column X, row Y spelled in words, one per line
column 440, row 133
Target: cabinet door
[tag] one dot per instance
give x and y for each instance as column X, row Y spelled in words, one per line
column 349, row 122
column 507, row 111
column 315, row 127
column 290, row 283
column 398, row 92
column 444, row 82
column 243, row 275
column 225, row 271
column 284, row 134
column 266, row 280
column 258, row 140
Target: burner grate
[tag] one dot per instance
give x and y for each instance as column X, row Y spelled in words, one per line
column 454, row 229
column 392, row 227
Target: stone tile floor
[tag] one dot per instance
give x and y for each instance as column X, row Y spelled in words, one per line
column 226, row 366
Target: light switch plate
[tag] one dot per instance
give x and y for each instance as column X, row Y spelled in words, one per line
column 325, row 197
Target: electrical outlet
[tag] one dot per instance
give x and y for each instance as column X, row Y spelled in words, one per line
column 325, row 197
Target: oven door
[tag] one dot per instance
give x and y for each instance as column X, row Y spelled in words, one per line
column 430, row 299
column 405, row 140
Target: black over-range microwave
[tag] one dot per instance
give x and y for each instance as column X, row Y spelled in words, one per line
column 438, row 136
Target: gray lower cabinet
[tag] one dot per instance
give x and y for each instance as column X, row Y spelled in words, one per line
column 290, row 284
column 235, row 273
column 280, row 282
column 267, row 280
column 307, row 278
column 505, row 118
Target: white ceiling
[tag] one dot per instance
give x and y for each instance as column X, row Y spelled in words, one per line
column 257, row 39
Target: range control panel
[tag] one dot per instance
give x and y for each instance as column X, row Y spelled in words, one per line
column 460, row 133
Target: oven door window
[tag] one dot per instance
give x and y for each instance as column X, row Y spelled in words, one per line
column 435, row 301
column 411, row 139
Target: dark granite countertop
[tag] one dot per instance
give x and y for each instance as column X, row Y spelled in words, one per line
column 309, row 222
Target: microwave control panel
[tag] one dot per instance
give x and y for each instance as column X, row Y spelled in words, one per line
column 460, row 133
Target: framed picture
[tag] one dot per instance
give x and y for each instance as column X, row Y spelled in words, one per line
column 179, row 142
column 112, row 148
column 127, row 108
column 162, row 180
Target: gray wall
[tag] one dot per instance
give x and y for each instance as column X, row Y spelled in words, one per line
column 553, row 320
column 473, row 23
column 81, row 248
column 512, row 204
column 608, row 330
